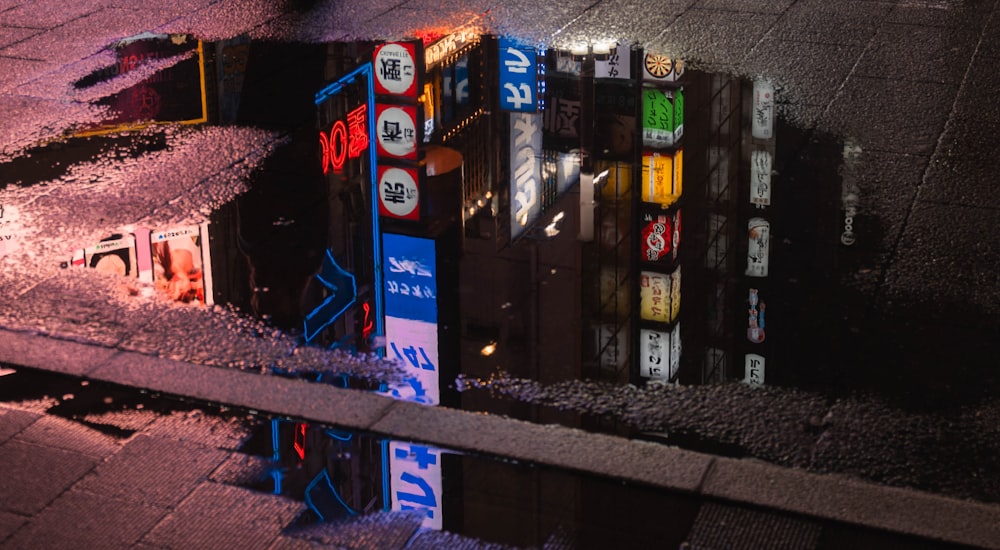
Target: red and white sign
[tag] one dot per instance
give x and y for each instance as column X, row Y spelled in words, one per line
column 396, row 131
column 398, row 193
column 396, row 69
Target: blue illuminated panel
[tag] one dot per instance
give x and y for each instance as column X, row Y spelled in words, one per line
column 409, row 278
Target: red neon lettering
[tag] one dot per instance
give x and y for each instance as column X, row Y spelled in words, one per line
column 356, row 120
column 324, row 144
column 368, row 323
column 338, row 145
column 299, row 441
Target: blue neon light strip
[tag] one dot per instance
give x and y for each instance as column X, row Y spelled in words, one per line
column 376, row 226
column 366, row 71
column 386, row 490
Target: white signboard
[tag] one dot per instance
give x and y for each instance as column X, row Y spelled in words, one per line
column 395, row 69
column 414, row 344
column 396, row 131
column 753, row 369
column 525, row 170
column 759, row 239
column 415, row 481
column 760, row 177
column 398, row 194
column 612, row 346
column 618, row 64
column 762, row 126
column 659, row 354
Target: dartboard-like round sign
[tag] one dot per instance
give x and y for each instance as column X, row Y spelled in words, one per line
column 658, row 65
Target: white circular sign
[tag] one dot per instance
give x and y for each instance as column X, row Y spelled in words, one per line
column 398, row 192
column 395, row 68
column 397, row 133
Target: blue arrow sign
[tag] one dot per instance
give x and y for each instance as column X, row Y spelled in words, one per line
column 343, row 293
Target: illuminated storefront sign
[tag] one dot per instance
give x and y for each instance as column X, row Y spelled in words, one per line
column 518, row 76
column 181, row 263
column 661, row 68
column 659, row 353
column 662, row 177
column 415, row 481
column 758, row 247
column 114, row 255
column 399, row 192
column 415, row 345
column 347, row 139
column 753, row 369
column 617, row 65
column 449, row 45
column 396, row 69
column 760, row 177
column 525, row 170
column 661, row 236
column 755, row 319
column 411, row 331
column 396, row 131
column 660, row 295
column 762, row 125
column 662, row 117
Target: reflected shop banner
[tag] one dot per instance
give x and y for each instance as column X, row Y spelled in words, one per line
column 525, row 171
column 753, row 369
column 411, row 331
column 660, row 353
column 177, row 261
column 175, row 93
column 758, row 247
column 415, row 481
column 518, row 76
column 663, row 177
column 660, row 296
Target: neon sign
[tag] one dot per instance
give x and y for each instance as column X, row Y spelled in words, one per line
column 345, row 140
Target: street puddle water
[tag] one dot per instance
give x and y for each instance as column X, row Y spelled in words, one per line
column 442, row 204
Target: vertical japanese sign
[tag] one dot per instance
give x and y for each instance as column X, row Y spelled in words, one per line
column 415, row 481
column 753, row 369
column 758, row 247
column 518, row 77
column 661, row 236
column 662, row 117
column 762, row 126
column 760, row 177
column 659, row 353
column 396, row 70
column 617, row 65
column 660, row 295
column 411, row 331
column 662, row 177
column 525, row 171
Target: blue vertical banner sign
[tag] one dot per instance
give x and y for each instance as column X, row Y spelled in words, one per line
column 416, row 481
column 411, row 330
column 518, row 76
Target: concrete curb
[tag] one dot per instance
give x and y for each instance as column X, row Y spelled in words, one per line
column 747, row 482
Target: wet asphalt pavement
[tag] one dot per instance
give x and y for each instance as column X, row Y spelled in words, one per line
column 908, row 84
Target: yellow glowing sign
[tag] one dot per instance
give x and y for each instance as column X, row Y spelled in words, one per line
column 660, row 296
column 662, row 177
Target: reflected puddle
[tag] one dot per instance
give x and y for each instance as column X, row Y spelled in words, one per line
column 469, row 205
